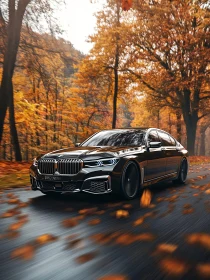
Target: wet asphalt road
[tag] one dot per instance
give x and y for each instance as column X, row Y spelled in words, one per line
column 166, row 223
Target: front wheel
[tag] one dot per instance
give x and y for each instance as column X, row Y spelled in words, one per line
column 183, row 170
column 130, row 180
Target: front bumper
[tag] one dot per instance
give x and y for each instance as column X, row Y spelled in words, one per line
column 95, row 182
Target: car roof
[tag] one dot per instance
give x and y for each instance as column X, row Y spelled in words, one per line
column 128, row 128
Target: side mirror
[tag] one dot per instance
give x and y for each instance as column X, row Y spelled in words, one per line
column 77, row 144
column 154, row 145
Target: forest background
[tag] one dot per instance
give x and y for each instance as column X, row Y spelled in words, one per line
column 149, row 66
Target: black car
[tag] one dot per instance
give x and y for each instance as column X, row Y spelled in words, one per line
column 120, row 161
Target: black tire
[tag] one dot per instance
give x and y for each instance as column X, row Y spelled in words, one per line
column 183, row 170
column 130, row 182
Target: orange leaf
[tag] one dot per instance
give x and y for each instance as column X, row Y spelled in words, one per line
column 26, row 252
column 174, row 267
column 94, row 222
column 46, row 238
column 166, row 248
column 139, row 221
column 86, row 257
column 88, row 211
column 146, row 198
column 122, row 214
column 202, row 239
column 203, row 269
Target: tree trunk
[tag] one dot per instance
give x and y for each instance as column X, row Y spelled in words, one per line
column 203, row 141
column 114, row 117
column 190, row 114
column 169, row 123
column 191, row 127
column 13, row 129
column 158, row 119
column 13, row 39
column 178, row 126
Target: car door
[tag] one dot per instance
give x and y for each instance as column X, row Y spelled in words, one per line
column 170, row 151
column 156, row 162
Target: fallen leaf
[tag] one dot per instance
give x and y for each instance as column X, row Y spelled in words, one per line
column 16, row 226
column 71, row 222
column 187, row 206
column 139, row 221
column 13, row 201
column 88, row 211
column 203, row 269
column 166, row 248
column 77, row 243
column 159, row 199
column 94, row 222
column 86, row 257
column 145, row 237
column 26, row 252
column 104, row 238
column 22, row 217
column 10, row 195
column 201, row 177
column 152, row 206
column 125, row 239
column 127, row 206
column 12, row 234
column 172, row 198
column 207, row 191
column 188, row 211
column 202, row 239
column 45, row 238
column 72, row 236
column 146, row 198
column 173, row 266
column 122, row 214
column 117, row 204
column 196, row 194
column 10, row 213
column 22, row 204
column 100, row 212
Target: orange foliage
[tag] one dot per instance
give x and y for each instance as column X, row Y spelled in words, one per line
column 126, row 4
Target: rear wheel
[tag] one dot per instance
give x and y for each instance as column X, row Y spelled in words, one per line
column 130, row 180
column 183, row 170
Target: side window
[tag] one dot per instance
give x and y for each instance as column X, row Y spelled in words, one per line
column 153, row 136
column 164, row 138
column 172, row 141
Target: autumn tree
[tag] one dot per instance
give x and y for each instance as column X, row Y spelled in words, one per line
column 108, row 47
column 13, row 15
column 169, row 50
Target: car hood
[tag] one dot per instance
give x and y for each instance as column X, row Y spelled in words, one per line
column 91, row 153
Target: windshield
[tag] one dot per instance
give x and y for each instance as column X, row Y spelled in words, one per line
column 131, row 137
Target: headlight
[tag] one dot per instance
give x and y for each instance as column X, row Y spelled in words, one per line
column 35, row 162
column 101, row 162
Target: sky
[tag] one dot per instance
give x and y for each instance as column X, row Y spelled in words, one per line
column 78, row 21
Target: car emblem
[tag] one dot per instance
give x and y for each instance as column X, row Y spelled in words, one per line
column 100, row 163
